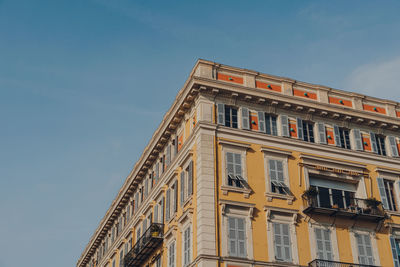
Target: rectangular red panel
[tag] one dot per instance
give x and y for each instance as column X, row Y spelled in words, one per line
column 229, row 78
column 374, row 109
column 366, row 143
column 305, row 94
column 272, row 87
column 254, row 122
column 293, row 133
column 340, row 101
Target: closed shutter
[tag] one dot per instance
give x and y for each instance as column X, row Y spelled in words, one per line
column 324, row 248
column 162, row 210
column 146, row 187
column 182, row 187
column 282, row 242
column 261, row 121
column 168, row 204
column 168, row 156
column 157, row 170
column 237, row 237
column 156, row 213
column 144, row 225
column 393, row 146
column 136, row 201
column 234, row 163
column 364, row 249
column 284, row 125
column 357, row 140
column 176, row 141
column 273, row 126
column 273, row 170
column 321, row 132
column 382, row 193
column 176, row 196
column 190, row 179
column 220, row 115
column 245, row 118
column 373, row 142
column 279, row 169
column 395, row 255
column 187, row 247
column 336, row 132
column 232, row 238
column 300, row 129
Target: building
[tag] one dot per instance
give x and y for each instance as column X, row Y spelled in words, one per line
column 249, row 169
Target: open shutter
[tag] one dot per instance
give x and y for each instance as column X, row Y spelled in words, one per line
column 284, row 125
column 382, row 193
column 357, row 140
column 393, row 146
column 261, row 121
column 336, row 132
column 245, row 118
column 220, row 115
column 321, row 133
column 395, row 255
column 190, row 179
column 168, row 204
column 299, row 128
column 182, row 187
column 241, row 234
column 279, row 169
column 232, row 238
column 373, row 142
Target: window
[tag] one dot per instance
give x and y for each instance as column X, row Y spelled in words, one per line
column 121, row 257
column 267, row 123
column 388, row 197
column 113, row 263
column 305, row 130
column 365, row 254
column 323, row 244
column 227, row 115
column 282, row 242
column 393, row 146
column 168, row 205
column 187, row 246
column 171, row 255
column 380, row 142
column 234, row 169
column 342, row 137
column 158, row 262
column 277, row 177
column 395, row 245
column 334, row 198
column 236, row 237
column 183, row 190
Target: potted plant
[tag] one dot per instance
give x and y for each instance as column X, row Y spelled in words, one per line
column 372, row 203
column 311, row 192
column 155, row 230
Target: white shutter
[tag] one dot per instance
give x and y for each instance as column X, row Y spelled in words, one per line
column 144, row 225
column 156, row 213
column 395, row 255
column 176, row 196
column 241, row 234
column 168, row 156
column 279, row 169
column 300, row 128
column 272, row 170
column 190, row 179
column 220, row 115
column 393, row 146
column 336, row 132
column 382, row 193
column 261, row 121
column 162, row 210
column 324, row 247
column 321, row 132
column 232, row 237
column 358, row 145
column 282, row 242
column 284, row 125
column 373, row 142
column 229, row 163
column 182, row 187
column 245, row 118
column 168, row 204
column 237, row 237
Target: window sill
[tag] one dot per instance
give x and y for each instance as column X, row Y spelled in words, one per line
column 271, row 195
column 392, row 212
column 226, row 188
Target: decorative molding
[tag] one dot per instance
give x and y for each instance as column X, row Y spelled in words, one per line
column 235, row 144
column 275, row 151
column 245, row 191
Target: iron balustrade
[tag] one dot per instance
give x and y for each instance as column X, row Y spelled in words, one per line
column 145, row 246
column 326, row 263
column 351, row 207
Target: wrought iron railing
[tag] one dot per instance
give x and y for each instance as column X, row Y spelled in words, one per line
column 326, row 263
column 145, row 246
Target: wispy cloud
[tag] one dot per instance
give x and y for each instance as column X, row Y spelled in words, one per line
column 380, row 79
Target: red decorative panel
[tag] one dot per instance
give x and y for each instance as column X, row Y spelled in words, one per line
column 293, row 129
column 398, row 113
column 330, row 138
column 366, row 143
column 305, row 94
column 339, row 101
column 229, row 78
column 180, row 142
column 254, row 122
column 374, row 109
column 268, row 86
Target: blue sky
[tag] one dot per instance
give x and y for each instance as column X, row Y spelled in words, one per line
column 83, row 85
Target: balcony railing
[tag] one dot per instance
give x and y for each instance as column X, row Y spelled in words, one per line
column 145, row 246
column 354, row 208
column 326, row 263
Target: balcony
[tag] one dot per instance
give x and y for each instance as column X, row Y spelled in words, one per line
column 352, row 208
column 145, row 246
column 326, row 263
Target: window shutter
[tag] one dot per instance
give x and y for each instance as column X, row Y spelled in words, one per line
column 168, row 204
column 229, row 163
column 261, row 121
column 232, row 238
column 382, row 193
column 190, row 179
column 182, row 187
column 241, row 234
column 278, row 241
column 176, row 142
column 286, row 242
column 395, row 255
column 300, row 129
column 176, row 196
column 162, row 210
column 220, row 115
column 273, row 170
column 284, row 125
column 336, row 132
column 146, row 186
column 156, row 213
column 157, row 171
column 245, row 118
column 273, row 126
column 373, row 142
column 393, row 146
column 357, row 140
column 168, row 157
column 279, row 169
column 144, row 225
column 321, row 132
column 323, row 241
column 238, row 164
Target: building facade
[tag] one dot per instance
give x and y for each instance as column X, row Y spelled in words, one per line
column 249, row 169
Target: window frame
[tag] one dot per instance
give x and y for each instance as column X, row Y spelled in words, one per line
column 333, row 239
column 187, row 227
column 354, row 245
column 170, row 243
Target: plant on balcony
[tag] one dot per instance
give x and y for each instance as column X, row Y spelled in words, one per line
column 155, row 230
column 372, row 203
column 310, row 193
